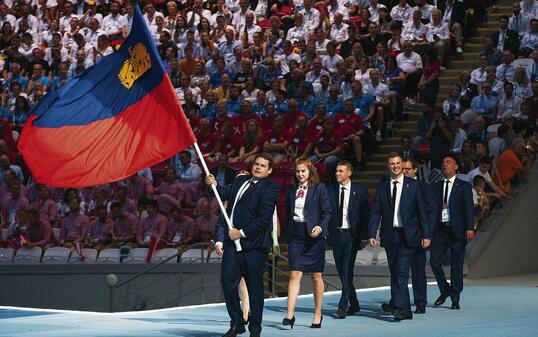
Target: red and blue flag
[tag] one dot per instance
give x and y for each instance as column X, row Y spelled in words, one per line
column 119, row 116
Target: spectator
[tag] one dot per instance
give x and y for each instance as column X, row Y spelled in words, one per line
column 127, row 204
column 505, row 70
column 493, row 55
column 411, row 63
column 38, row 232
column 480, row 199
column 485, row 105
column 74, row 227
column 152, row 225
column 47, row 208
column 529, row 39
column 181, row 229
column 506, row 39
column 327, row 147
column 205, row 223
column 441, row 137
column 99, row 233
column 187, row 170
column 478, row 75
column 466, row 158
column 483, row 170
column 429, row 83
column 12, row 202
column 452, row 104
column 6, row 165
column 276, row 140
column 454, row 16
column 514, row 161
column 498, row 144
column 124, row 228
column 519, row 22
column 459, row 134
column 509, row 106
column 351, row 128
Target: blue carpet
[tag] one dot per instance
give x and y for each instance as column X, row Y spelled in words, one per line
column 486, row 312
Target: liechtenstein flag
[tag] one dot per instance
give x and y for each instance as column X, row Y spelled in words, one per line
column 117, row 117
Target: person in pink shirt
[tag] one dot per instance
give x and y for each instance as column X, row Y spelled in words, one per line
column 138, row 187
column 74, row 226
column 181, row 229
column 171, row 192
column 124, row 228
column 38, row 231
column 12, row 203
column 128, row 204
column 48, row 208
column 100, row 197
column 99, row 234
column 152, row 225
column 194, row 191
column 205, row 223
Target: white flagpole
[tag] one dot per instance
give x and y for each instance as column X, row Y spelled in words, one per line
column 221, row 205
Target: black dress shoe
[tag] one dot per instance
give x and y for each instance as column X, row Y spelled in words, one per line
column 420, row 310
column 254, row 334
column 317, row 325
column 234, row 331
column 341, row 313
column 455, row 306
column 387, row 307
column 287, row 321
column 400, row 315
column 351, row 311
column 441, row 299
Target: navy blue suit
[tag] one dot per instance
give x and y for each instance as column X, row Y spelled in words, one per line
column 305, row 253
column 345, row 244
column 452, row 236
column 400, row 243
column 418, row 263
column 254, row 215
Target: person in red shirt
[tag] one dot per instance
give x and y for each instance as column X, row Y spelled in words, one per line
column 276, row 140
column 221, row 117
column 252, row 141
column 290, row 117
column 351, row 128
column 206, row 139
column 315, row 123
column 229, row 140
column 268, row 121
column 300, row 140
column 246, row 115
column 328, row 147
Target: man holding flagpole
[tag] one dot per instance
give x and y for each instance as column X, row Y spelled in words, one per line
column 251, row 203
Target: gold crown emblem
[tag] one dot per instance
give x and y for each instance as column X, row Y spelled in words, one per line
column 135, row 66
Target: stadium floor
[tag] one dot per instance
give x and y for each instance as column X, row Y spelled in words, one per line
column 487, row 311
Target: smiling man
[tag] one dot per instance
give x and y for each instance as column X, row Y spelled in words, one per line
column 251, row 203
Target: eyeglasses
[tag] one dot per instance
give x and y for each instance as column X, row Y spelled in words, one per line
column 407, row 169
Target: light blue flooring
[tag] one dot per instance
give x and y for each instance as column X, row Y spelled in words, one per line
column 486, row 312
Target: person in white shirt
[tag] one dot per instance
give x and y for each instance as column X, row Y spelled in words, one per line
column 437, row 33
column 299, row 31
column 239, row 17
column 374, row 10
column 114, row 22
column 6, row 17
column 311, row 16
column 505, row 70
column 530, row 39
column 67, row 15
column 289, row 55
column 381, row 94
column 33, row 23
column 334, row 8
column 455, row 27
column 478, row 75
column 401, row 12
column 93, row 32
column 532, row 69
column 249, row 28
column 151, row 14
column 510, row 105
column 518, row 22
column 314, row 75
column 452, row 104
column 459, row 135
column 415, row 31
column 331, row 59
column 411, row 64
column 197, row 13
column 425, row 10
column 339, row 29
column 483, row 170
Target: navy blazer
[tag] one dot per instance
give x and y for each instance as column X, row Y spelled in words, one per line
column 429, row 198
column 317, row 211
column 460, row 206
column 358, row 211
column 413, row 212
column 253, row 212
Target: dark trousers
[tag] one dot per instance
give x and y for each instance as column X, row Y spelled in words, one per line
column 411, row 83
column 399, row 256
column 418, row 274
column 443, row 240
column 345, row 253
column 249, row 264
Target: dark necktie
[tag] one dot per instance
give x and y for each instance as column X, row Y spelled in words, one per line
column 394, row 192
column 341, row 208
column 445, row 197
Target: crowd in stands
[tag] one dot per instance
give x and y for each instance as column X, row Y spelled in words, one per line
column 321, row 80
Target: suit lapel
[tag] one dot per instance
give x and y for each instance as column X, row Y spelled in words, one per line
column 388, row 199
column 352, row 197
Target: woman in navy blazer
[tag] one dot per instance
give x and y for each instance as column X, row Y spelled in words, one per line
column 308, row 212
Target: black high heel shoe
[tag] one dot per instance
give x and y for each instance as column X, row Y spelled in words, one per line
column 287, row 321
column 317, row 325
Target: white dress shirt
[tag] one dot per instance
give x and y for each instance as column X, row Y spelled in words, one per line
column 298, row 211
column 505, row 71
column 478, row 76
column 409, row 63
column 397, row 219
column 311, row 18
column 347, row 194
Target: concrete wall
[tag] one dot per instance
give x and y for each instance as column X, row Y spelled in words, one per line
column 508, row 244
